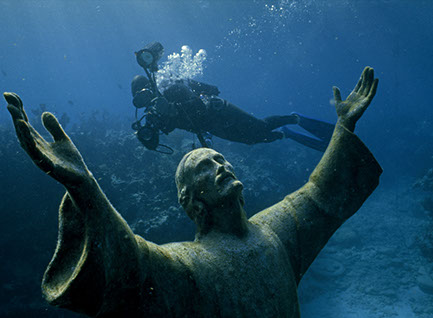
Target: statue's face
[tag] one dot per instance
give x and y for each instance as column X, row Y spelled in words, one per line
column 211, row 176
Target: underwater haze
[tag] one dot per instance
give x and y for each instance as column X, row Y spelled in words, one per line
column 76, row 59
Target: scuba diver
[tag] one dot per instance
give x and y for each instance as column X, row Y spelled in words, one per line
column 196, row 107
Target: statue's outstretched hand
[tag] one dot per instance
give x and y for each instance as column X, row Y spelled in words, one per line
column 350, row 110
column 60, row 158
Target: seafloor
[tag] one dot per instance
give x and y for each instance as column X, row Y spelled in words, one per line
column 379, row 264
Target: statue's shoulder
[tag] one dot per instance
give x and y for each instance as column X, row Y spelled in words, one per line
column 181, row 250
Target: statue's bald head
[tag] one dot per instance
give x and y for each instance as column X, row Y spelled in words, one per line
column 188, row 162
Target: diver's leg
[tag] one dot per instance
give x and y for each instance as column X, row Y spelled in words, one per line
column 319, row 128
column 227, row 121
column 317, row 144
column 274, row 122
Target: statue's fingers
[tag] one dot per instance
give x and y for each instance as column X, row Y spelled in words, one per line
column 361, row 82
column 33, row 144
column 14, row 101
column 368, row 81
column 362, row 79
column 15, row 113
column 358, row 85
column 25, row 137
column 337, row 94
column 373, row 89
column 53, row 126
column 21, row 124
column 24, row 114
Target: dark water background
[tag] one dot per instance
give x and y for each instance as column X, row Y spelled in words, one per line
column 268, row 57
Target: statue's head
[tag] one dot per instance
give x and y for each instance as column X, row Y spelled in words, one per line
column 206, row 181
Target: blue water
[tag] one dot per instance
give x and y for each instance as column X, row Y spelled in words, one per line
column 268, row 57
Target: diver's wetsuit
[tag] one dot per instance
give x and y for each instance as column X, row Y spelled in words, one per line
column 221, row 118
column 198, row 112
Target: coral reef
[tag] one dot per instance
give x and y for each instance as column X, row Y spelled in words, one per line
column 425, row 280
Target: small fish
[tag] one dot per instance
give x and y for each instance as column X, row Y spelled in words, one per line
column 4, row 73
column 120, row 86
column 70, row 102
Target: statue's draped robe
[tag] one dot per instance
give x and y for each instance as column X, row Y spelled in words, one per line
column 100, row 268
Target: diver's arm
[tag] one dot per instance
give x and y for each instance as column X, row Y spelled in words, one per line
column 344, row 178
column 97, row 256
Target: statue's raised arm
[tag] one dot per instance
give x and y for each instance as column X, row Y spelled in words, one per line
column 346, row 175
column 97, row 254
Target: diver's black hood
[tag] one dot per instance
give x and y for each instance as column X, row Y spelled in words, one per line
column 138, row 83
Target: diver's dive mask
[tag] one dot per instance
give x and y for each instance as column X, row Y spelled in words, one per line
column 143, row 98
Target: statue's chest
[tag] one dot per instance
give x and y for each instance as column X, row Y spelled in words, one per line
column 251, row 276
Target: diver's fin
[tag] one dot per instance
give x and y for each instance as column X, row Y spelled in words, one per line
column 305, row 140
column 321, row 129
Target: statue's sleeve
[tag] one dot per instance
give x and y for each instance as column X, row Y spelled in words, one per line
column 305, row 220
column 97, row 265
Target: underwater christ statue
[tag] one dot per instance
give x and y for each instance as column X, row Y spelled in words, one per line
column 235, row 267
